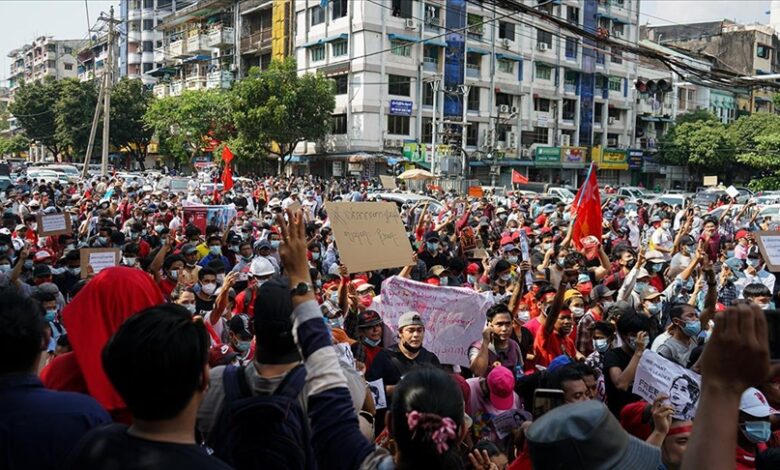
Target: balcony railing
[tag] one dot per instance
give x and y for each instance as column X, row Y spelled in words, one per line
column 221, row 37
column 133, row 58
column 430, row 64
column 195, row 82
column 161, row 90
column 257, row 40
column 473, row 71
column 176, row 87
column 198, row 43
column 219, row 79
column 178, row 48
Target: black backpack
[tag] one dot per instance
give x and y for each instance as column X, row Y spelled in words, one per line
column 263, row 431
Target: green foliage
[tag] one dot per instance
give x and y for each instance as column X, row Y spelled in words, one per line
column 14, row 145
column 34, row 108
column 764, row 156
column 183, row 123
column 130, row 100
column 744, row 131
column 277, row 109
column 695, row 116
column 73, row 114
column 701, row 143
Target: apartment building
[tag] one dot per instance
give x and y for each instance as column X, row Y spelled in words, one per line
column 140, row 42
column 538, row 97
column 44, row 57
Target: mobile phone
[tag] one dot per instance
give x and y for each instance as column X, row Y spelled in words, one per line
column 773, row 331
column 545, row 399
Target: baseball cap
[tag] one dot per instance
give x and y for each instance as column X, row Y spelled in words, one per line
column 410, row 319
column 41, row 270
column 587, row 435
column 649, row 293
column 509, row 247
column 472, row 268
column 221, row 355
column 589, row 242
column 736, row 266
column 431, row 236
column 501, row 385
column 188, row 249
column 436, row 270
column 559, row 362
column 655, row 256
column 571, row 293
column 361, row 285
column 369, row 318
column 582, row 278
column 602, row 291
column 741, row 234
column 239, row 325
column 754, row 403
column 642, row 273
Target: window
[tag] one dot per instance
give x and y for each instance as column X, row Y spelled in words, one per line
column 506, row 66
column 473, row 61
column 338, row 124
column 431, row 54
column 473, row 101
column 148, row 3
column 762, row 51
column 474, row 23
column 402, row 48
column 148, row 46
column 339, row 9
column 542, row 105
column 51, row 47
column 573, row 15
column 615, row 84
column 544, row 37
column 432, row 18
column 427, row 95
column 339, row 48
column 543, row 72
column 572, row 46
column 472, row 134
column 569, row 110
column 341, row 83
column 600, row 82
column 317, row 53
column 398, row 125
column 618, row 29
column 505, row 98
column 148, row 25
column 148, row 67
column 402, row 8
column 539, row 135
column 506, row 30
column 614, row 113
column 427, row 130
column 617, row 56
column 67, row 50
column 68, row 66
column 398, row 85
column 317, row 15
column 158, row 44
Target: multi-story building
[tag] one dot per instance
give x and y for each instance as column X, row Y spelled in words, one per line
column 44, row 57
column 266, row 32
column 538, row 97
column 140, row 42
column 92, row 58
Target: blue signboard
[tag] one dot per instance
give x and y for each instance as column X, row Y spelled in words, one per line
column 635, row 159
column 588, row 77
column 401, row 107
column 455, row 55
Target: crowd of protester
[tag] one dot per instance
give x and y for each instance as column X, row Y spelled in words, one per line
column 251, row 345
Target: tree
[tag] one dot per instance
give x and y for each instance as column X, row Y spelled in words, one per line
column 744, row 131
column 14, row 145
column 701, row 144
column 73, row 113
column 130, row 100
column 277, row 109
column 34, row 108
column 184, row 123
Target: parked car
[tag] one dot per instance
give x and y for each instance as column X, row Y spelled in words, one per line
column 703, row 199
column 174, row 185
column 47, row 176
column 409, row 199
column 70, row 171
column 772, row 212
column 677, row 199
column 633, row 193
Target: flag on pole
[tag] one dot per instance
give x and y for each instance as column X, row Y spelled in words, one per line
column 227, row 173
column 227, row 155
column 587, row 209
column 518, row 178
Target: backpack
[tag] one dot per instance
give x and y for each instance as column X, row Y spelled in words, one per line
column 263, row 431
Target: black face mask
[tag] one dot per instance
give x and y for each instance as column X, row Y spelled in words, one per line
column 631, row 264
column 410, row 348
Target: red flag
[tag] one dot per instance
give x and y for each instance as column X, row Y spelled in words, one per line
column 227, row 155
column 587, row 207
column 227, row 177
column 518, row 177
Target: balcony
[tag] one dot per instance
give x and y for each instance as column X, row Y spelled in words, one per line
column 161, row 90
column 221, row 37
column 133, row 58
column 219, row 79
column 570, row 88
column 197, row 44
column 178, row 49
column 134, row 14
column 473, row 71
column 176, row 88
column 256, row 41
column 430, row 64
column 134, row 36
column 195, row 82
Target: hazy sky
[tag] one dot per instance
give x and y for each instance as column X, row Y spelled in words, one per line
column 24, row 20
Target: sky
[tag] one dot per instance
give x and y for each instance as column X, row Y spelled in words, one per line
column 24, row 20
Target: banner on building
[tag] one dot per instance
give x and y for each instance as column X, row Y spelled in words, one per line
column 454, row 317
column 573, row 157
column 613, row 160
column 548, row 156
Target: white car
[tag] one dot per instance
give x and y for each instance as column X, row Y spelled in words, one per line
column 771, row 211
column 681, row 200
column 73, row 173
column 47, row 176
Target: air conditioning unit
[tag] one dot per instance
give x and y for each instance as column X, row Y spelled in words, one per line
column 393, row 143
column 515, row 110
column 565, row 140
column 612, row 142
column 506, row 42
column 409, row 23
column 511, row 140
column 503, row 109
column 542, row 46
column 487, row 136
column 611, row 121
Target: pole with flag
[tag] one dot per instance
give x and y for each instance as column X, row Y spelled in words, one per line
column 587, row 210
column 518, row 178
column 227, row 173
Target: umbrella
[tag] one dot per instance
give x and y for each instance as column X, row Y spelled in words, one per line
column 416, row 174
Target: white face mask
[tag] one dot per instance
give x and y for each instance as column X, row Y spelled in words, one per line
column 209, row 288
column 577, row 311
column 128, row 261
column 523, row 315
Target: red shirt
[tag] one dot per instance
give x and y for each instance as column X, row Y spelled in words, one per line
column 533, row 326
column 548, row 347
column 240, row 306
column 166, row 286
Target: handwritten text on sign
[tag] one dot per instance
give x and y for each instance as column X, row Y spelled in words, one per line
column 454, row 317
column 656, row 375
column 98, row 259
column 370, row 235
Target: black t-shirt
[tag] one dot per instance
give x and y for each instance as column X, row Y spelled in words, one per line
column 204, row 306
column 111, row 447
column 616, row 398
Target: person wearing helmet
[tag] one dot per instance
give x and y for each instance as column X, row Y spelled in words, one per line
column 259, row 272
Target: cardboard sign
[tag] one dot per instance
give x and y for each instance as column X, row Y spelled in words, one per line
column 377, row 389
column 476, row 191
column 732, row 191
column 99, row 259
column 53, row 224
column 370, row 235
column 388, row 182
column 454, row 317
column 656, row 375
column 710, row 181
column 769, row 246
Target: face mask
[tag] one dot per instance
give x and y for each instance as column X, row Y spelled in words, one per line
column 752, row 262
column 103, row 240
column 28, row 264
column 653, row 308
column 159, row 228
column 215, row 250
column 336, row 322
column 523, row 315
column 432, row 246
column 275, row 244
column 692, row 328
column 511, row 259
column 471, row 279
column 50, row 314
column 757, row 431
column 601, row 345
column 632, row 343
column 315, row 256
column 220, row 278
column 561, row 261
column 366, row 300
column 334, row 297
column 656, row 267
column 243, row 346
column 128, row 261
column 209, row 288
column 268, row 220
column 585, row 289
column 666, row 225
column 640, row 286
column 577, row 311
column 134, row 235
column 766, row 306
column 244, row 235
column 730, row 254
column 4, row 268
column 410, row 348
column 688, row 285
column 190, row 308
column 174, row 275
column 506, row 277
column 75, row 270
column 234, row 248
column 443, row 281
column 371, row 342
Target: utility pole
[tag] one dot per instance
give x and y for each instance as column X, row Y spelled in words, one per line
column 464, row 137
column 434, row 127
column 109, row 81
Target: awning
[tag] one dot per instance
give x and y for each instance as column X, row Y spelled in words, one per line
column 516, row 58
column 435, row 42
column 340, row 37
column 650, row 118
column 162, row 71
column 477, row 51
column 762, row 100
column 197, row 58
column 318, row 42
column 666, row 119
column 401, row 37
column 424, row 165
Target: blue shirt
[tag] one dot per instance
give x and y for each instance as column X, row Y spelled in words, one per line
column 39, row 427
column 206, row 259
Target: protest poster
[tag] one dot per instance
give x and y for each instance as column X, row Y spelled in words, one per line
column 710, row 181
column 476, row 191
column 769, row 245
column 53, row 224
column 370, row 235
column 377, row 389
column 732, row 191
column 201, row 216
column 98, row 259
column 509, row 420
column 388, row 182
column 529, row 279
column 656, row 375
column 454, row 317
